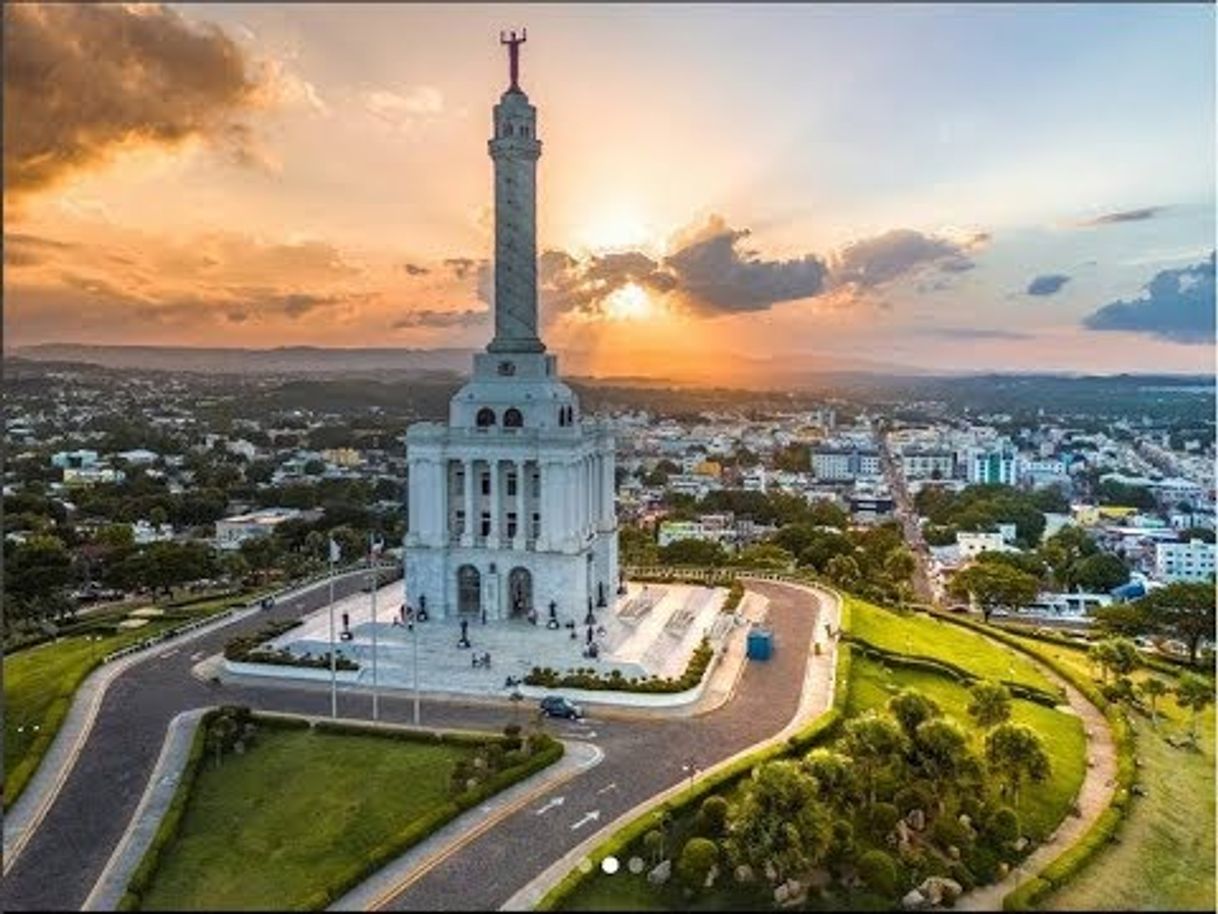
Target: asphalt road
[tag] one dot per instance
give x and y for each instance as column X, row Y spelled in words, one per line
column 66, row 854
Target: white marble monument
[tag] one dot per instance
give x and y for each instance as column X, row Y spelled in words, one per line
column 511, row 504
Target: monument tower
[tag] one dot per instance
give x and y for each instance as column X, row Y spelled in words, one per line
column 511, row 504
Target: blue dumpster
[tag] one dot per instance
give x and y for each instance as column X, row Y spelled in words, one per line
column 760, row 644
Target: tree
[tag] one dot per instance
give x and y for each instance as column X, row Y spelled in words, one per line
column 692, row 552
column 1183, row 610
column 822, row 547
column 637, row 547
column 993, row 587
column 1016, row 753
column 874, row 743
column 844, row 571
column 1126, row 619
column 942, row 752
column 765, row 555
column 1099, row 573
column 899, row 564
column 36, row 572
column 1153, row 688
column 779, row 821
column 911, row 707
column 1195, row 693
column 695, row 862
column 989, row 703
column 834, row 774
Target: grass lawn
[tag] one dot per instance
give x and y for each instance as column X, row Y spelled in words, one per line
column 1164, row 859
column 1041, row 806
column 39, row 683
column 920, row 633
column 267, row 829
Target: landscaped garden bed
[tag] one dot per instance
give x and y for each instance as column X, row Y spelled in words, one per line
column 908, row 784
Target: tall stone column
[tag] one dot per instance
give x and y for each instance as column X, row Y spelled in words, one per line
column 467, row 534
column 523, row 521
column 514, row 148
column 492, row 541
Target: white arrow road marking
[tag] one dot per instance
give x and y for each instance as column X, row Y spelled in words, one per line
column 197, row 655
column 167, row 654
column 588, row 817
column 551, row 804
column 612, row 785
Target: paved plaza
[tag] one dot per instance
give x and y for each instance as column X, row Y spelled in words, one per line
column 652, row 629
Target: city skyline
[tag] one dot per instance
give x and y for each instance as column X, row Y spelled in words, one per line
column 961, row 188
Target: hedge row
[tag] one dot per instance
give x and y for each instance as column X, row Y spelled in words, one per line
column 1070, row 861
column 398, row 844
column 449, row 737
column 416, row 831
column 959, row 673
column 1171, row 666
column 615, row 681
column 167, row 830
column 817, row 731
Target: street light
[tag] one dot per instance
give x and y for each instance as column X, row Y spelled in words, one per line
column 692, row 770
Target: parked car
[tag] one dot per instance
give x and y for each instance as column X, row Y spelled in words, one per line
column 557, row 706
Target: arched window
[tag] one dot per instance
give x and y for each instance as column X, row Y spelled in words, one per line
column 485, row 417
column 562, row 415
column 512, row 418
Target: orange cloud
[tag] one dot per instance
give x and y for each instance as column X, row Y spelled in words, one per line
column 83, row 81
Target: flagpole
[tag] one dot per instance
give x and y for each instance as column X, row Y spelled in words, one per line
column 333, row 658
column 372, row 554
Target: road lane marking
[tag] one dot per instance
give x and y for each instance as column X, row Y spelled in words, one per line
column 551, row 804
column 486, row 824
column 612, row 785
column 588, row 817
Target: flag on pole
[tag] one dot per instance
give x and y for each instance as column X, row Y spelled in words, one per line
column 335, row 552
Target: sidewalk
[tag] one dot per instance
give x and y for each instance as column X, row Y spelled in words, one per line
column 433, row 850
column 162, row 785
column 1099, row 780
column 715, row 689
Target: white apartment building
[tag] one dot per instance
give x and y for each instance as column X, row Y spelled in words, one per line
column 231, row 532
column 1191, row 561
column 972, row 545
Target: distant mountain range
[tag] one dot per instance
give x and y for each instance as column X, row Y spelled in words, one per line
column 648, row 367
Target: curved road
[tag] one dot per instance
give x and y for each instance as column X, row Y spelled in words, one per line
column 66, row 854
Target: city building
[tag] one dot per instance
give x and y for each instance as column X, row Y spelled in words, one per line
column 81, row 459
column 919, row 464
column 231, row 532
column 511, row 504
column 1191, row 561
column 993, row 466
column 972, row 545
column 844, row 464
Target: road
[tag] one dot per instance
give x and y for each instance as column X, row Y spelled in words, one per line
column 66, row 854
column 924, row 591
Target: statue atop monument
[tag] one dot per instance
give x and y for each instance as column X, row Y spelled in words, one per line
column 514, row 44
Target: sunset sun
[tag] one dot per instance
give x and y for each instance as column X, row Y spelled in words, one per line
column 628, row 303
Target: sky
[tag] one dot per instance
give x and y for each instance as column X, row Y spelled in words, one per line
column 945, row 187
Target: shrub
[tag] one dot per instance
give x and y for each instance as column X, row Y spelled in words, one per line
column 696, row 860
column 653, row 843
column 913, row 796
column 843, row 839
column 878, row 872
column 883, row 819
column 1002, row 825
column 947, row 831
column 712, row 816
column 586, row 678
